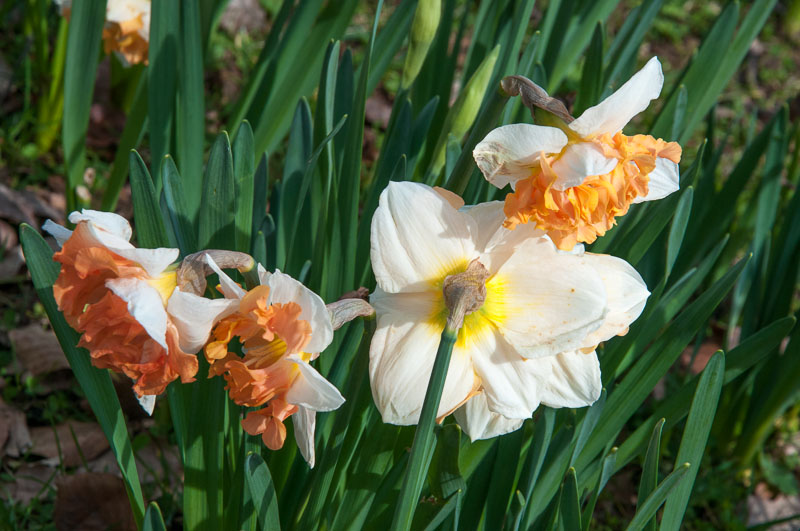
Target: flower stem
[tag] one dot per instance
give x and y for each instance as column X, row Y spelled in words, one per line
column 422, row 448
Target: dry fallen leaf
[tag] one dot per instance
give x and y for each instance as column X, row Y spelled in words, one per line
column 762, row 508
column 15, row 439
column 38, row 350
column 30, row 480
column 90, row 438
column 91, row 502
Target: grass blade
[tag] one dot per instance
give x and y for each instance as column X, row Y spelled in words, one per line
column 651, row 505
column 649, row 481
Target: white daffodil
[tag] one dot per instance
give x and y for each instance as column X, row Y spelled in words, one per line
column 282, row 326
column 531, row 341
column 574, row 180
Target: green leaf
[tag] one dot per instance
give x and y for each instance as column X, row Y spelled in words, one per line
column 150, row 230
column 216, row 220
column 570, row 509
column 592, row 78
column 262, row 491
column 95, row 383
column 83, row 47
column 679, row 222
column 244, row 163
column 649, row 480
column 778, row 476
column 177, row 211
column 534, row 460
column 648, row 509
column 695, row 436
column 606, row 471
column 153, row 521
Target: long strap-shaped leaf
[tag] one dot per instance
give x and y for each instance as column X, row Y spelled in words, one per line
column 95, row 383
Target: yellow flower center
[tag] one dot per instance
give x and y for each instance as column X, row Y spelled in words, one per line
column 165, row 284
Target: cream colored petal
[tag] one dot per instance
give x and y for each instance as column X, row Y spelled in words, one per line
column 284, row 289
column 229, row 288
column 311, row 390
column 478, row 422
column 148, row 403
column 489, row 218
column 611, row 115
column 305, row 421
column 144, row 305
column 495, row 242
column 544, row 302
column 106, row 221
column 154, row 261
column 263, row 274
column 508, row 153
column 663, row 180
column 574, row 380
column 417, row 237
column 194, row 316
column 580, row 161
column 61, row 234
column 510, row 382
column 401, row 358
column 627, row 295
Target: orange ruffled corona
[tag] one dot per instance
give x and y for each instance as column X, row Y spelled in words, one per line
column 264, row 375
column 581, row 213
column 125, row 37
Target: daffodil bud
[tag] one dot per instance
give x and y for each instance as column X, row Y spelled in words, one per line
column 195, row 268
column 423, row 30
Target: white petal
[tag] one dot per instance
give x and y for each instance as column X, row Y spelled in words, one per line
column 611, row 115
column 229, row 288
column 305, row 421
column 144, row 304
column 574, row 380
column 311, row 390
column 263, row 274
column 61, row 234
column 106, row 221
column 148, row 403
column 284, row 289
column 627, row 295
column 511, row 383
column 580, row 161
column 664, row 180
column 543, row 301
column 489, row 217
column 154, row 261
column 507, row 153
column 401, row 358
column 478, row 422
column 417, row 237
column 194, row 316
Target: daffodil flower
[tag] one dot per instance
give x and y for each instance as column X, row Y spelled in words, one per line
column 573, row 181
column 282, row 326
column 126, row 304
column 531, row 342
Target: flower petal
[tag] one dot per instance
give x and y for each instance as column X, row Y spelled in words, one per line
column 510, row 382
column 229, row 288
column 479, row 422
column 263, row 274
column 61, row 234
column 417, row 237
column 580, row 161
column 544, row 302
column 574, row 380
column 663, row 180
column 148, row 403
column 154, row 261
column 611, row 115
column 401, row 358
column 284, row 289
column 305, row 421
column 144, row 305
column 627, row 296
column 194, row 316
column 507, row 153
column 105, row 221
column 311, row 390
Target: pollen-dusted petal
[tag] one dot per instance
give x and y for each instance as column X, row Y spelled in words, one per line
column 417, row 238
column 664, row 180
column 544, row 302
column 627, row 295
column 284, row 289
column 305, row 421
column 478, row 422
column 194, row 316
column 402, row 352
column 579, row 161
column 614, row 112
column 574, row 380
column 311, row 390
column 144, row 304
column 507, row 153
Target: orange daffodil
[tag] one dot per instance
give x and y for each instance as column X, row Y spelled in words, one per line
column 531, row 342
column 282, row 326
column 125, row 303
column 574, row 180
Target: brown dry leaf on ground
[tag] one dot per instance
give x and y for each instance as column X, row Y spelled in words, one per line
column 92, row 502
column 37, row 349
column 243, row 15
column 762, row 508
column 30, row 481
column 15, row 439
column 90, row 438
column 378, row 109
column 707, row 349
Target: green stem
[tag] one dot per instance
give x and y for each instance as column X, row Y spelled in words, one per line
column 422, row 448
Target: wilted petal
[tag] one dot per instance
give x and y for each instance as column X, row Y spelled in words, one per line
column 284, row 289
column 664, row 180
column 611, row 115
column 311, row 390
column 507, row 153
column 229, row 288
column 144, row 304
column 417, row 237
column 478, row 422
column 574, row 380
column 194, row 316
column 580, row 161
